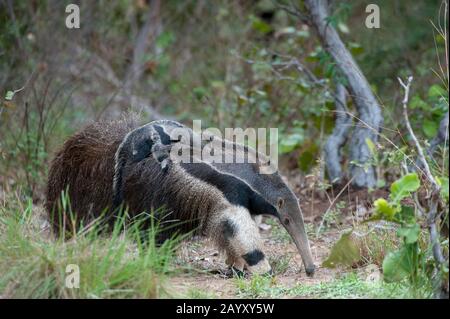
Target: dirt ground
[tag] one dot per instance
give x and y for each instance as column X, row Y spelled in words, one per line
column 207, row 268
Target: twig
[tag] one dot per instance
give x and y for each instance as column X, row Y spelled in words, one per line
column 14, row 92
column 426, row 167
column 293, row 10
column 331, row 205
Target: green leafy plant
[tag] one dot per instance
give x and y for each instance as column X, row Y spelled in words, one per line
column 409, row 261
column 393, row 210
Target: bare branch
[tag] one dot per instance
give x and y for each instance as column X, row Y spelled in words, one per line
column 406, row 87
column 293, row 10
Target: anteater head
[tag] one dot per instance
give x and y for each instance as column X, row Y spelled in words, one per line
column 277, row 192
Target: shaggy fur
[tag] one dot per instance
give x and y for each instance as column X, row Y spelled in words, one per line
column 85, row 167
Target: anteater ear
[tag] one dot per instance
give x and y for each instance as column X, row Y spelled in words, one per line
column 264, row 166
column 260, row 206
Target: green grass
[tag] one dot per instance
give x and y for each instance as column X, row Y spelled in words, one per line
column 349, row 286
column 117, row 265
column 280, row 264
column 196, row 293
column 259, row 287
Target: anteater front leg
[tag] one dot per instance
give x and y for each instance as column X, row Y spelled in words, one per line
column 236, row 233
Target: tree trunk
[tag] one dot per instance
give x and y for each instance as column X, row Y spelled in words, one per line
column 370, row 118
column 144, row 39
column 337, row 139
